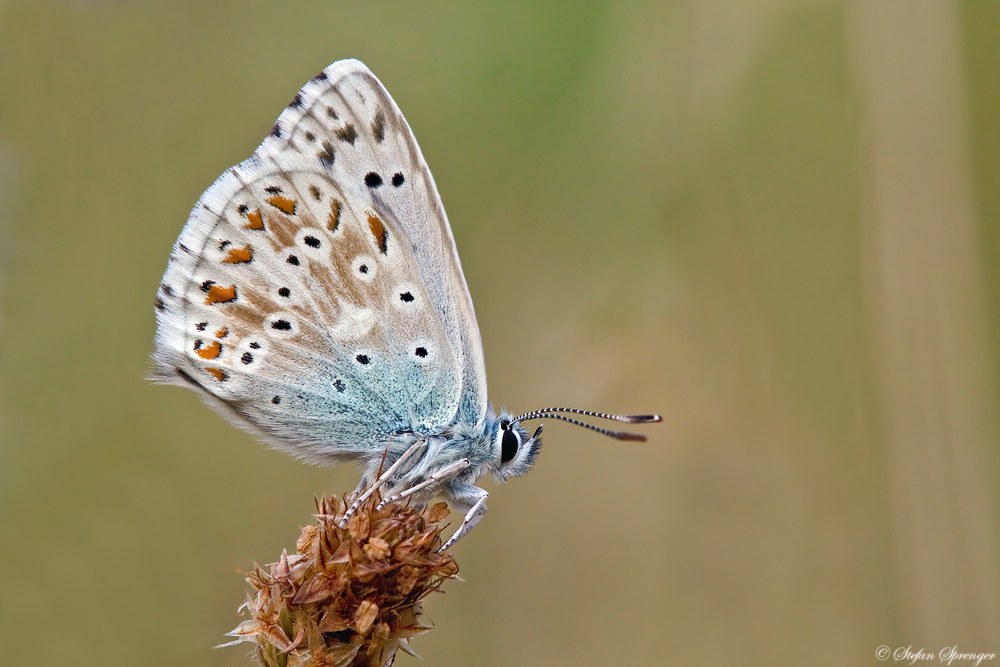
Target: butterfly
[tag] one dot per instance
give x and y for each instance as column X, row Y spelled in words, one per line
column 315, row 298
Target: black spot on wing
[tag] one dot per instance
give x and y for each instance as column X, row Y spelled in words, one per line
column 276, row 130
column 347, row 133
column 397, row 179
column 372, row 179
column 319, row 77
column 296, row 102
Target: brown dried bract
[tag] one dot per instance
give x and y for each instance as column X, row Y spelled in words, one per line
column 349, row 596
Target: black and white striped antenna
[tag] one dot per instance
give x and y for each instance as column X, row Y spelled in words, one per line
column 550, row 413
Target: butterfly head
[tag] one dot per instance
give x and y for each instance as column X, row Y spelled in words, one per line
column 513, row 451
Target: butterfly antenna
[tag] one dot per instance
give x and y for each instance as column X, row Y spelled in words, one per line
column 617, row 435
column 625, row 419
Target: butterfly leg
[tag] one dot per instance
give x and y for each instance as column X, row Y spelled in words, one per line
column 436, row 478
column 379, row 482
column 464, row 494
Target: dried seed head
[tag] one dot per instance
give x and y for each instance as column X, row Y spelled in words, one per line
column 377, row 549
column 365, row 615
column 348, row 597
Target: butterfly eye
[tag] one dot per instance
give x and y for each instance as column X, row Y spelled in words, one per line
column 509, row 445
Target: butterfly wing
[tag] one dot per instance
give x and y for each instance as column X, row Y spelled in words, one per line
column 315, row 296
column 345, row 119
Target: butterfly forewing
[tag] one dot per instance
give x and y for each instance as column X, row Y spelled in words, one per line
column 345, row 121
column 315, row 303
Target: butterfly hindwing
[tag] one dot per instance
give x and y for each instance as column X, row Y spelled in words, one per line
column 287, row 304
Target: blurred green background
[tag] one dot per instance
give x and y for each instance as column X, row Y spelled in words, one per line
column 774, row 221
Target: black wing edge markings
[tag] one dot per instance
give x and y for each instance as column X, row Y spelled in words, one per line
column 347, row 133
column 378, row 126
column 392, row 115
column 327, row 155
column 187, row 378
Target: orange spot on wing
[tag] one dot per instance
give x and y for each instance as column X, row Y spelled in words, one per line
column 217, row 294
column 238, row 255
column 378, row 231
column 256, row 220
column 209, row 351
column 218, row 373
column 334, row 220
column 222, row 332
column 283, row 204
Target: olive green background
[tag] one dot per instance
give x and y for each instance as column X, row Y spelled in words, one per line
column 660, row 206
